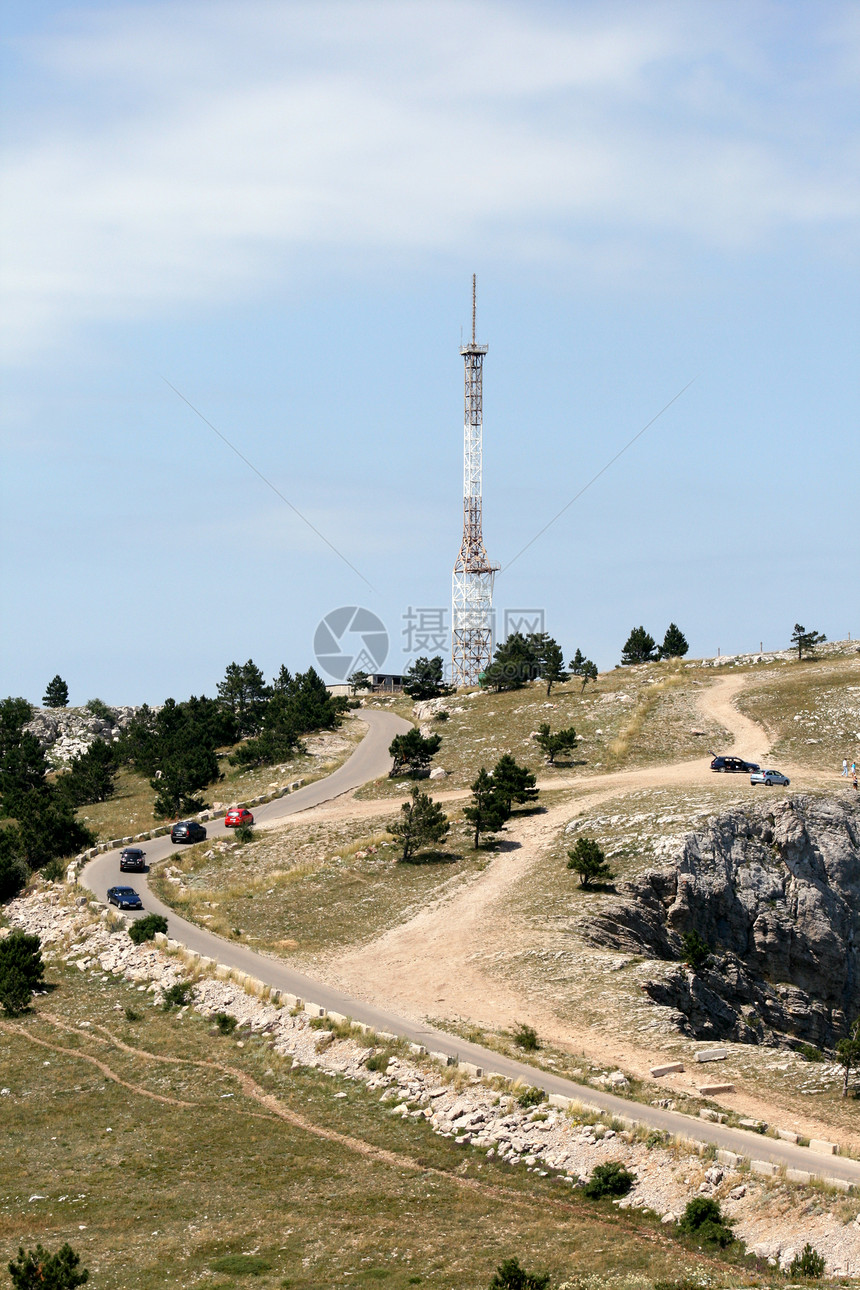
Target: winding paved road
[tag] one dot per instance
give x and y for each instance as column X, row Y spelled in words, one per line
column 370, row 761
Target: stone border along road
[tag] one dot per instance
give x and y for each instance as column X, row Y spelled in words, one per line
column 370, row 761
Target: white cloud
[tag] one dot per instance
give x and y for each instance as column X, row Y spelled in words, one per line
column 191, row 153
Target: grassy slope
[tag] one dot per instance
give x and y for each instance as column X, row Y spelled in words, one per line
column 208, row 1170
column 811, row 709
column 311, row 887
column 632, row 717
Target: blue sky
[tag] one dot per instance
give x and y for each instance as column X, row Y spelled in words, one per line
column 277, row 207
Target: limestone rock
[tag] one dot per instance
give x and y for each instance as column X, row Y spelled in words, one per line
column 775, row 891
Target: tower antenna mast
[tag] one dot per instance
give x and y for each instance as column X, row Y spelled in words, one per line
column 472, row 584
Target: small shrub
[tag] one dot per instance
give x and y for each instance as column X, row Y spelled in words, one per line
column 131, row 1014
column 144, row 929
column 811, row 1053
column 177, row 995
column 703, row 1219
column 531, row 1097
column 695, row 952
column 609, row 1179
column 809, row 1263
column 253, row 1265
column 55, row 870
column 100, row 709
column 510, row 1276
column 442, row 715
column 377, row 1061
column 225, row 1023
column 526, row 1037
column 244, row 833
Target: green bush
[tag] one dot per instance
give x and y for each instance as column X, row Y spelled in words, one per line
column 225, row 1023
column 510, row 1276
column 695, row 952
column 177, row 996
column 378, row 1061
column 609, row 1179
column 100, row 709
column 144, row 929
column 526, row 1037
column 131, row 1014
column 37, row 1268
column 253, row 1265
column 244, row 833
column 531, row 1097
column 703, row 1219
column 21, row 971
column 809, row 1263
column 810, row 1053
column 55, row 870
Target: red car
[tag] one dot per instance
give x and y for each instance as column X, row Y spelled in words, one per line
column 236, row 816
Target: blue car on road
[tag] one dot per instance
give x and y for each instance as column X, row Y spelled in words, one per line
column 124, row 898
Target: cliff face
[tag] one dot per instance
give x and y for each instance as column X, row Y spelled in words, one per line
column 775, row 892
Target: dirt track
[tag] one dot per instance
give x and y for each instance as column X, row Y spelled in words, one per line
column 435, row 964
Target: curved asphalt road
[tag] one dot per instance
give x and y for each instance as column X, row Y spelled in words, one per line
column 370, row 761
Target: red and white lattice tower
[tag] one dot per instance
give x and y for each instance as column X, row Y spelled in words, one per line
column 472, row 618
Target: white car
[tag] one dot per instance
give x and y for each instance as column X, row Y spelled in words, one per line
column 769, row 778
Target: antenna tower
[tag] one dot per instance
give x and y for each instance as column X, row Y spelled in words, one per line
column 472, row 637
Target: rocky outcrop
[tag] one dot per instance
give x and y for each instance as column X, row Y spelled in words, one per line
column 776, row 895
column 65, row 733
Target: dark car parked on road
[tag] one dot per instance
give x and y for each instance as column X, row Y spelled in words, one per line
column 124, row 898
column 735, row 764
column 132, row 859
column 187, row 831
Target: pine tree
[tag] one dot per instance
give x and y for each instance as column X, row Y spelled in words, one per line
column 358, row 681
column 91, row 776
column 425, row 680
column 588, row 861
column 674, row 643
column 422, row 822
column 39, row 1270
column 847, row 1054
column 514, row 663
column 516, row 784
column 244, row 692
column 806, row 641
column 413, row 752
column 552, row 744
column 639, row 648
column 489, row 809
column 582, row 666
column 57, row 693
column 21, row 970
column 550, row 660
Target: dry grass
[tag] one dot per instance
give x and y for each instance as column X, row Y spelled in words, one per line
column 310, row 888
column 156, row 1182
column 632, row 717
column 810, row 709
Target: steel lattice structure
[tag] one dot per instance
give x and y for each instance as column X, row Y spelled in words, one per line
column 472, row 618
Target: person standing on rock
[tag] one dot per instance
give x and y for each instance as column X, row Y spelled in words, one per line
column 854, row 781
column 845, row 767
